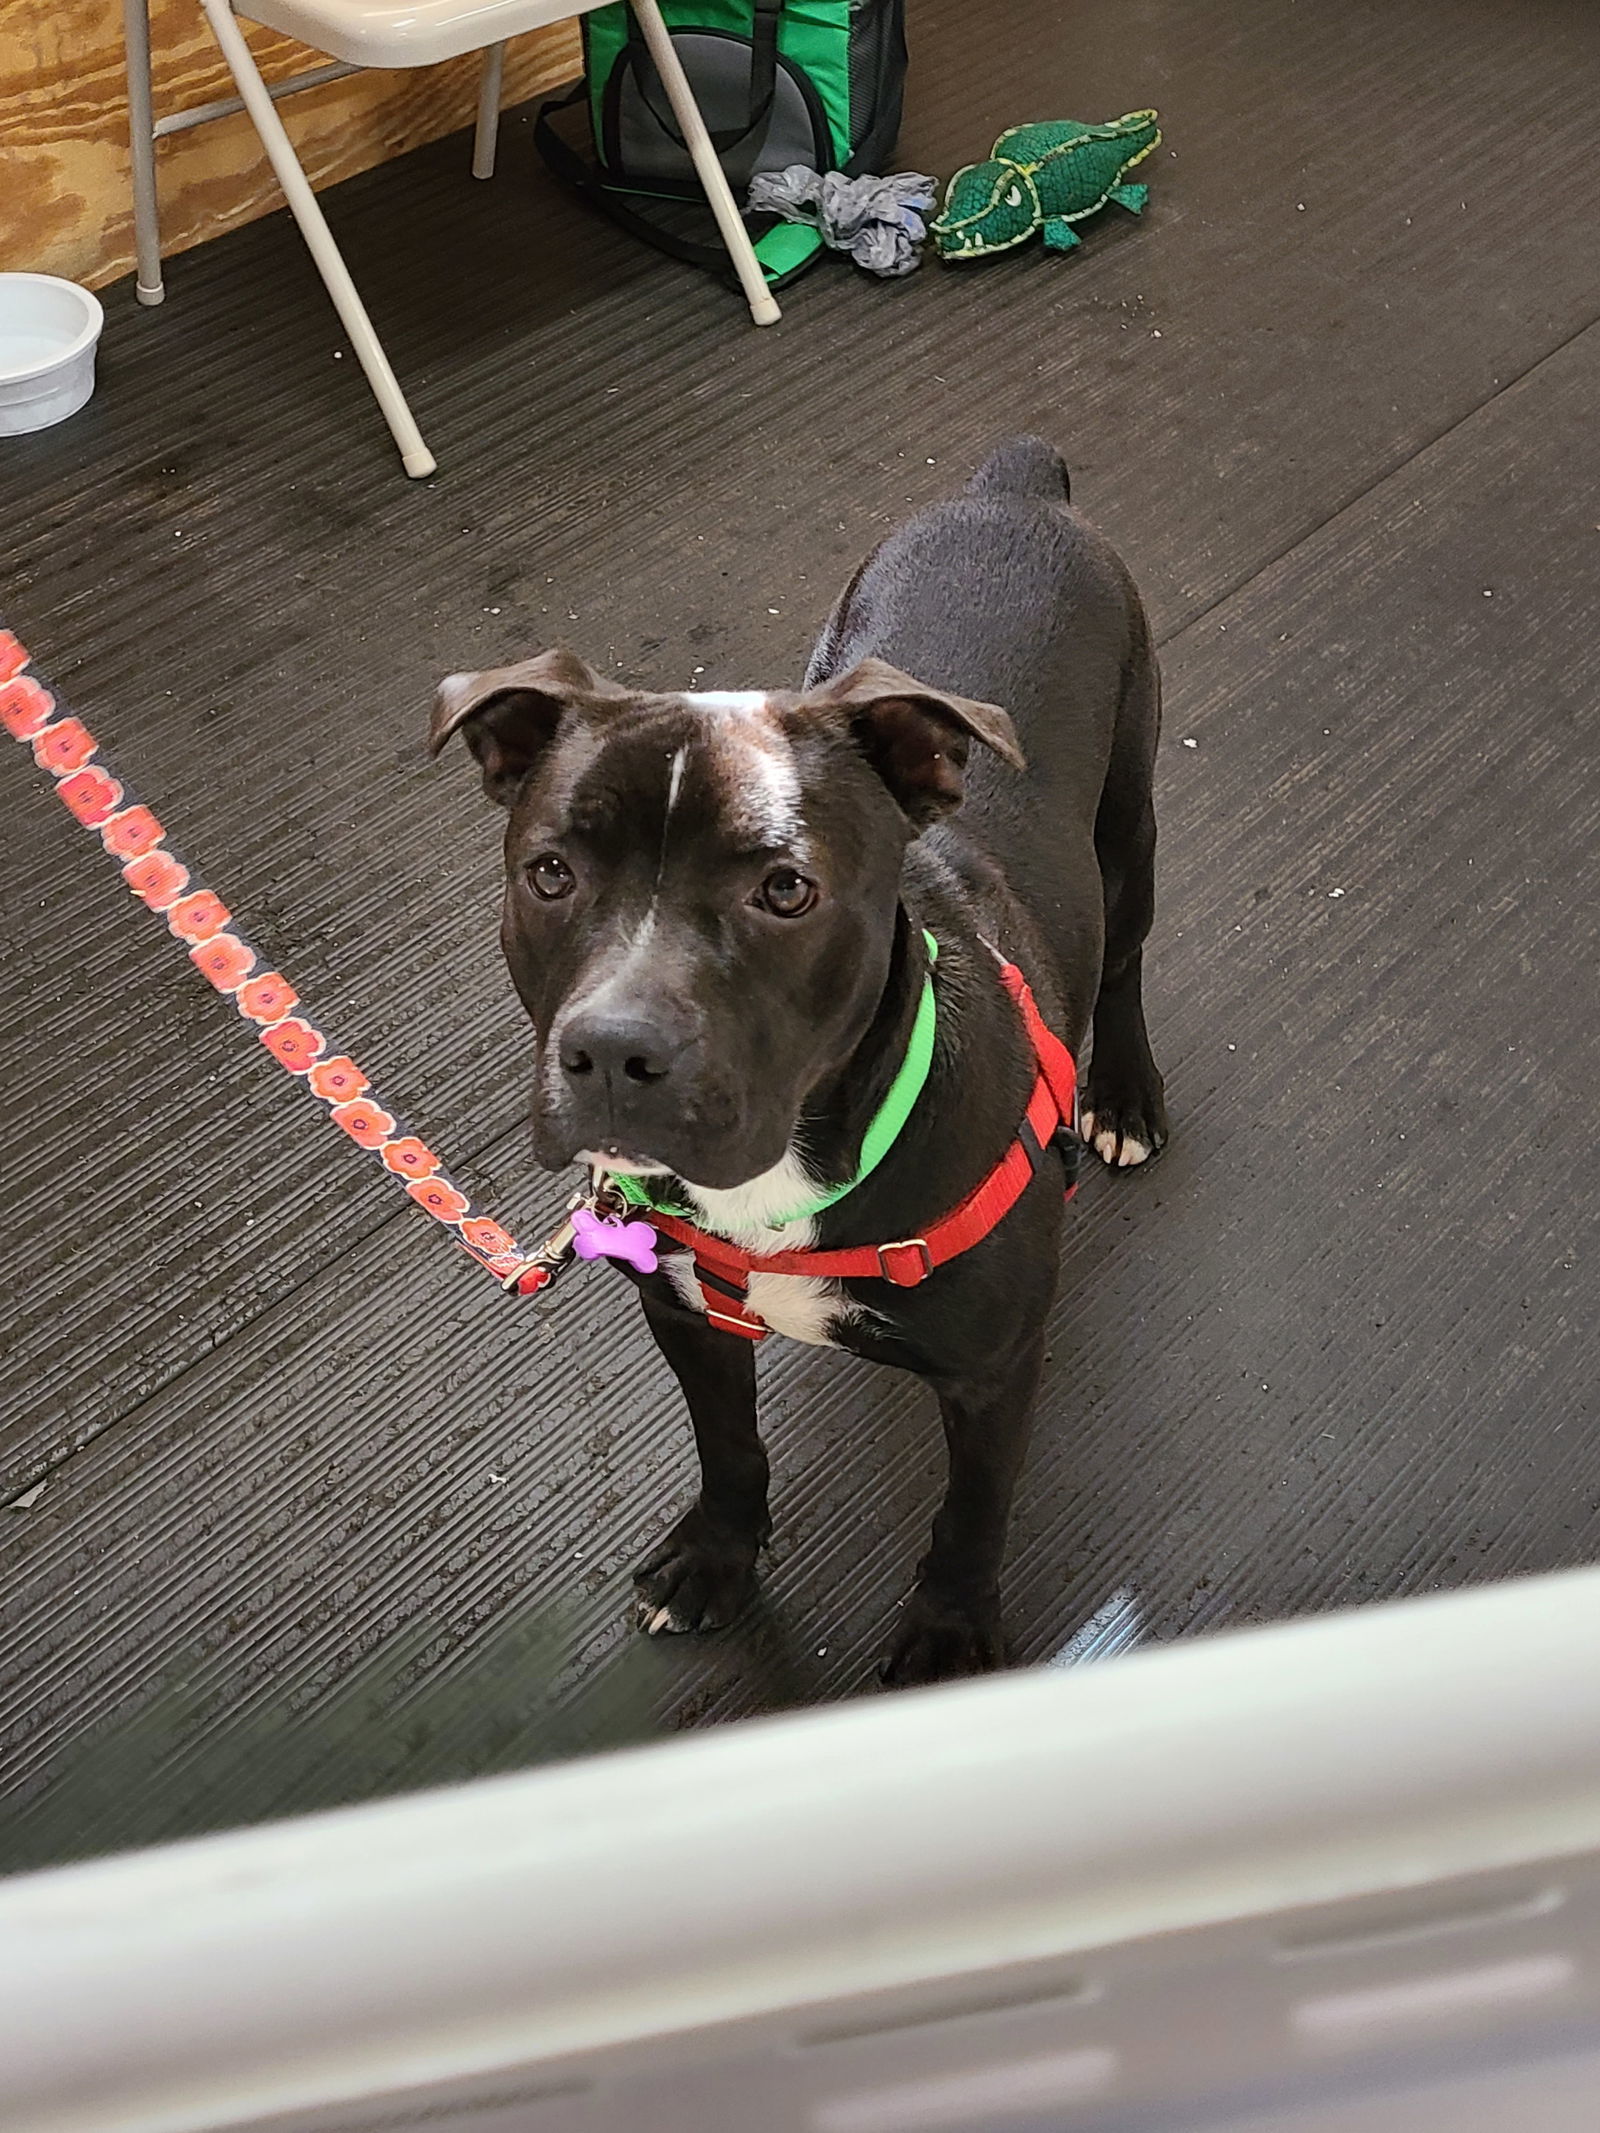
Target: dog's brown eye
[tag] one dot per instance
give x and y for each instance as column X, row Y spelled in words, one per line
column 551, row 877
column 786, row 892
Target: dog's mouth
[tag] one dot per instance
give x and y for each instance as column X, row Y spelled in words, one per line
column 614, row 1156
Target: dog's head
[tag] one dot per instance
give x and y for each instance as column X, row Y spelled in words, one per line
column 701, row 892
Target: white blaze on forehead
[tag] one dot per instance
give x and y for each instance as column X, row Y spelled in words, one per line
column 755, row 765
column 675, row 779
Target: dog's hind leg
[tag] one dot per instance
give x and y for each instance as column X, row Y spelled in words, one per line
column 703, row 1571
column 1123, row 1111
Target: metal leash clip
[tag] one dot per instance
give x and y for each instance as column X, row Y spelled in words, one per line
column 539, row 1271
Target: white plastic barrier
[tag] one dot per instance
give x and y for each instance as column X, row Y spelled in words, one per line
column 1341, row 1876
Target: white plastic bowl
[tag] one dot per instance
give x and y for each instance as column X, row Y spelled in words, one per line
column 48, row 332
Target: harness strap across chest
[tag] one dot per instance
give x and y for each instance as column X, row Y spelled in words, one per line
column 723, row 1270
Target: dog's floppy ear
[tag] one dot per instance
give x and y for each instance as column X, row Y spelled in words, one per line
column 510, row 714
column 916, row 738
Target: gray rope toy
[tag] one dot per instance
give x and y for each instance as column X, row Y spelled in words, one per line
column 878, row 221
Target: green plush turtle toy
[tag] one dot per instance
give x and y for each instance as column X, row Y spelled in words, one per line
column 1044, row 177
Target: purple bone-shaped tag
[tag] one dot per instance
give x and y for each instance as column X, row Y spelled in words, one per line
column 604, row 1237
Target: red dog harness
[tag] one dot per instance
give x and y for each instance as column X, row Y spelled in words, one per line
column 723, row 1270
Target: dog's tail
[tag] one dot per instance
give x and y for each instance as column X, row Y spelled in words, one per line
column 1023, row 466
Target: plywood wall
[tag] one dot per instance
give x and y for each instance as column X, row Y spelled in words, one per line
column 64, row 205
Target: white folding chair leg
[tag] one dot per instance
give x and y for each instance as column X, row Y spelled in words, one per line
column 414, row 454
column 142, row 148
column 486, row 137
column 763, row 304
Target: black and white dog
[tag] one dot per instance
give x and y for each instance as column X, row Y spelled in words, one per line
column 724, row 915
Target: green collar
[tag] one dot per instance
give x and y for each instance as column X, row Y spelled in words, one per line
column 879, row 1137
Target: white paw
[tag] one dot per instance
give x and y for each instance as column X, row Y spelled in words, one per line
column 1116, row 1149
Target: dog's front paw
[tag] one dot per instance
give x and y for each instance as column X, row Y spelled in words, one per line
column 697, row 1579
column 1123, row 1129
column 941, row 1640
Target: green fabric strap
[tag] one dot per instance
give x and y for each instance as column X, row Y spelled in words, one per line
column 879, row 1137
column 786, row 247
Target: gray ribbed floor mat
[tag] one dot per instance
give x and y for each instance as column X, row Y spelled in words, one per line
column 322, row 1516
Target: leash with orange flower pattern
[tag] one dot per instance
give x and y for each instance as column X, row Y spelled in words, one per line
column 137, row 840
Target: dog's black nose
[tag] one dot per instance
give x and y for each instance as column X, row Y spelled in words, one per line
column 618, row 1048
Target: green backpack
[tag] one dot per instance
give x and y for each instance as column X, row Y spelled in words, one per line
column 779, row 82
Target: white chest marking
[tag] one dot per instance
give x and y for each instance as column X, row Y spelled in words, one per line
column 802, row 1307
column 750, row 1213
column 799, row 1306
